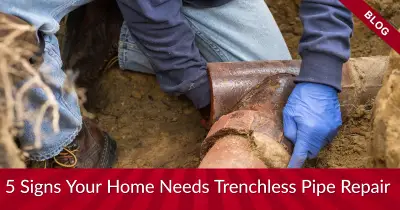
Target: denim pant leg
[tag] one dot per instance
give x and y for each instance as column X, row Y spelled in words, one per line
column 241, row 30
column 45, row 16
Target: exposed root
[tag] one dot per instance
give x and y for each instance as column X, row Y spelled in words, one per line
column 17, row 78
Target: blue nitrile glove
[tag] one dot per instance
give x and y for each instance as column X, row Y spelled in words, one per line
column 311, row 119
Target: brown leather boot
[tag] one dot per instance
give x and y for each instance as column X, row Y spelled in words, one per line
column 92, row 148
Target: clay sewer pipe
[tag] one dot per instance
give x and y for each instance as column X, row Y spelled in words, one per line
column 247, row 103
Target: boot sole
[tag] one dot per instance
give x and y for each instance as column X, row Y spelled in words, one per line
column 112, row 152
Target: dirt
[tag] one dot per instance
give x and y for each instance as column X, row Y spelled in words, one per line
column 386, row 123
column 363, row 43
column 154, row 129
column 352, row 147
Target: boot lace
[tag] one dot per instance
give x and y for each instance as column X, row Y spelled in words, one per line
column 63, row 159
column 67, row 154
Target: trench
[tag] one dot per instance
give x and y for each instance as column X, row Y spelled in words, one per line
column 155, row 130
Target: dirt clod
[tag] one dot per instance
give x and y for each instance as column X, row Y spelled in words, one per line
column 386, row 124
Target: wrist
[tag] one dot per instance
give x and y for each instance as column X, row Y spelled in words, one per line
column 316, row 86
column 321, row 68
column 311, row 91
column 200, row 96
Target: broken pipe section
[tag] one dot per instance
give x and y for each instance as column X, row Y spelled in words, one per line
column 247, row 103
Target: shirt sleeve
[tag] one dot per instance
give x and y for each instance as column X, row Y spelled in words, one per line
column 165, row 37
column 325, row 44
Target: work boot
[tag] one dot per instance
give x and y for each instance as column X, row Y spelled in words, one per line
column 92, row 148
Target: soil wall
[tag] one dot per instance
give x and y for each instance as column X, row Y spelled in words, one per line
column 364, row 42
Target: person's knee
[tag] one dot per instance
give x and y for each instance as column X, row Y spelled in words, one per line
column 223, row 30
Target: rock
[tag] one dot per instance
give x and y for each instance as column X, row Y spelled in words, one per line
column 136, row 94
column 188, row 111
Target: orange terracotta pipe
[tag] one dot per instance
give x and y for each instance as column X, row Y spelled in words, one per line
column 247, row 103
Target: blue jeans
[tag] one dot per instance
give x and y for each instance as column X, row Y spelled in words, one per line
column 241, row 30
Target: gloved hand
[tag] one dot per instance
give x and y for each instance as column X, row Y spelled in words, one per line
column 311, row 119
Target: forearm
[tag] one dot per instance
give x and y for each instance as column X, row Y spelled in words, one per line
column 325, row 44
column 168, row 42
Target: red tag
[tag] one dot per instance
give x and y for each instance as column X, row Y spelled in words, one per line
column 375, row 22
